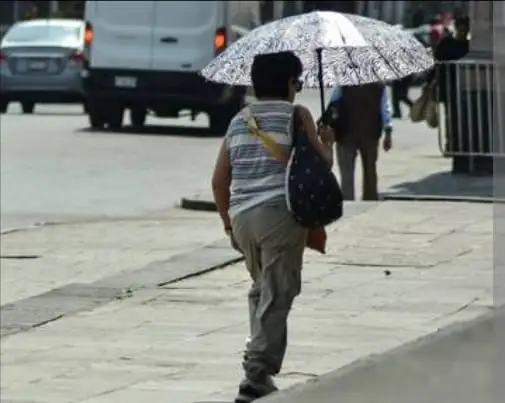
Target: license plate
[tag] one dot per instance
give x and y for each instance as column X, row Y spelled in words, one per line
column 125, row 82
column 37, row 65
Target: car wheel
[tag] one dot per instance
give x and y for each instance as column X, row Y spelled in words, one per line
column 28, row 107
column 138, row 117
column 115, row 118
column 3, row 106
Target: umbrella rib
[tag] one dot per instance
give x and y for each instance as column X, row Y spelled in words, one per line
column 393, row 68
column 346, row 49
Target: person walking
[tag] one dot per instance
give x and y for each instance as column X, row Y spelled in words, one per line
column 400, row 93
column 443, row 79
column 364, row 114
column 451, row 47
column 249, row 190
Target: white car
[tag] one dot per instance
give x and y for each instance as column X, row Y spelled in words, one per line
column 147, row 55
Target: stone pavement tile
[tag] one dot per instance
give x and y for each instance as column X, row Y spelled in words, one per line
column 150, row 394
column 48, row 306
column 178, row 267
column 185, row 341
column 87, row 252
column 462, row 363
column 71, row 298
column 18, row 401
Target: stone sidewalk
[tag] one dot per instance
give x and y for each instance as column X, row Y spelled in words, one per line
column 47, row 257
column 463, row 363
column 394, row 272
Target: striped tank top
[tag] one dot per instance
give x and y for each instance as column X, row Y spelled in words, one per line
column 256, row 175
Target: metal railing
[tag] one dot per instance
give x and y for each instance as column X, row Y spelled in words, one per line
column 470, row 106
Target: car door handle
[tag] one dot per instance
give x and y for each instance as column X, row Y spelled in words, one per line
column 169, row 39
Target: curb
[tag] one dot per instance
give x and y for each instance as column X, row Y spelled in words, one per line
column 198, row 205
column 209, row 206
column 434, row 198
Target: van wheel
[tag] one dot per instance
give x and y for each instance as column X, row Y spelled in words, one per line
column 138, row 117
column 95, row 116
column 3, row 106
column 96, row 120
column 115, row 118
column 28, row 107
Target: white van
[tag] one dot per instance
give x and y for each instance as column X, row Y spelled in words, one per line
column 146, row 56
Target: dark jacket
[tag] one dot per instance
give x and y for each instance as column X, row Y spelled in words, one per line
column 360, row 112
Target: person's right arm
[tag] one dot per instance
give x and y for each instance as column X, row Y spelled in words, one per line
column 323, row 141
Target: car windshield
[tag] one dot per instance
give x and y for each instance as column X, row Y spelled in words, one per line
column 42, row 33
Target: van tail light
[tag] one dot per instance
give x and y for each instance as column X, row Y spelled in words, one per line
column 78, row 57
column 2, row 56
column 88, row 34
column 220, row 40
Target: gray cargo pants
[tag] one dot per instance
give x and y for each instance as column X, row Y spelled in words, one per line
column 273, row 244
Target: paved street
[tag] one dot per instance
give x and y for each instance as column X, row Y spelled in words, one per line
column 53, row 169
column 181, row 342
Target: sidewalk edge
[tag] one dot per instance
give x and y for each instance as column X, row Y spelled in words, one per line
column 323, row 380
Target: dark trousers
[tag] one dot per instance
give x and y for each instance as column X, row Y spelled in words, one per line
column 400, row 93
column 368, row 149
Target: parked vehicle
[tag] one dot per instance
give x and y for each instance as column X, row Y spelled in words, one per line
column 147, row 56
column 41, row 61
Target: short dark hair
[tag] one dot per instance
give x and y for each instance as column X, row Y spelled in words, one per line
column 271, row 72
column 462, row 21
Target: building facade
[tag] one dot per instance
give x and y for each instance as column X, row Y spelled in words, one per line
column 394, row 12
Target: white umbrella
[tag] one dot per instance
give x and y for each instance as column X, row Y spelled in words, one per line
column 335, row 49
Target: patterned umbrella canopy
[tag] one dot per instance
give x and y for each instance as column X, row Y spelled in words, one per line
column 335, row 49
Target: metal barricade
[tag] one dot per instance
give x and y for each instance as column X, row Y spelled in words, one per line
column 467, row 109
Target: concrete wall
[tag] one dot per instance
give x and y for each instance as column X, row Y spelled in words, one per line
column 499, row 30
column 481, row 16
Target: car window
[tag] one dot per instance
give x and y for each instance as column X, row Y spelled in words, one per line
column 42, row 33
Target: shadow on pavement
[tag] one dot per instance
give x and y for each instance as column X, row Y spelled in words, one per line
column 445, row 185
column 158, row 130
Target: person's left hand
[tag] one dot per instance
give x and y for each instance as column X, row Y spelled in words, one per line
column 387, row 143
column 326, row 134
column 233, row 242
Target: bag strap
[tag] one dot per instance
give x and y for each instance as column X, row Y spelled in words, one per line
column 269, row 143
